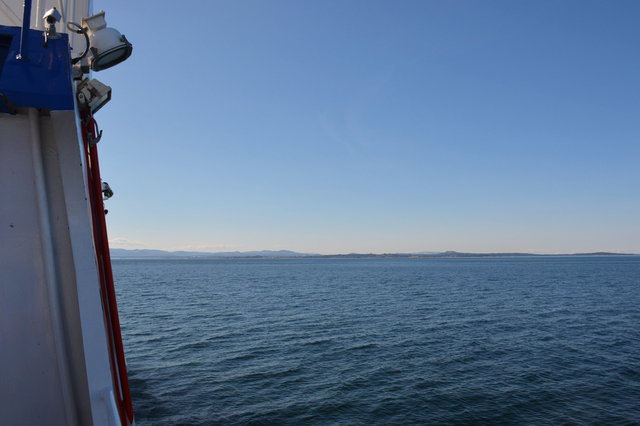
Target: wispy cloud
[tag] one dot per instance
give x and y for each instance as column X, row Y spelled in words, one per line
column 208, row 247
column 120, row 242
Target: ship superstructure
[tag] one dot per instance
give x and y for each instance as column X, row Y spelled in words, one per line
column 61, row 355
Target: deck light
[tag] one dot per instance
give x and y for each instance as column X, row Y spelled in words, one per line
column 108, row 46
column 93, row 95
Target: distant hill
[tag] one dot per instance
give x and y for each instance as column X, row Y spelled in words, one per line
column 459, row 254
column 117, row 253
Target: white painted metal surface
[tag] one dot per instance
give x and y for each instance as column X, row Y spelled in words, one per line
column 29, row 354
column 54, row 354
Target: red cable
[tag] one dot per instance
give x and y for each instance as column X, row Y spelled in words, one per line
column 107, row 289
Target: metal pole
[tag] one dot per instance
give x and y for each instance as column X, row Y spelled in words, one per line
column 24, row 34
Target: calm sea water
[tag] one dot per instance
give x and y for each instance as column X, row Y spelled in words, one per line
column 383, row 341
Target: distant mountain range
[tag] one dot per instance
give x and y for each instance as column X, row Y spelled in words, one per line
column 118, row 253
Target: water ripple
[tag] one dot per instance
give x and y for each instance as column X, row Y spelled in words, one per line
column 382, row 341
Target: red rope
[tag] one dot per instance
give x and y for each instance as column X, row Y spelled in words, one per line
column 107, row 289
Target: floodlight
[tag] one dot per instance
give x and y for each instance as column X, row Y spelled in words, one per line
column 108, row 46
column 92, row 95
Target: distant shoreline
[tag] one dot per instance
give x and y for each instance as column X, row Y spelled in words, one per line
column 118, row 254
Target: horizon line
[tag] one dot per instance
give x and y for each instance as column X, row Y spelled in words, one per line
column 410, row 253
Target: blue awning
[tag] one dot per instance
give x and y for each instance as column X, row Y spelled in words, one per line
column 42, row 79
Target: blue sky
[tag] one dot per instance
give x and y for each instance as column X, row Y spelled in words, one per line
column 374, row 126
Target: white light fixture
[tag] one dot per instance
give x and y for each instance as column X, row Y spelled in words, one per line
column 108, row 46
column 92, row 95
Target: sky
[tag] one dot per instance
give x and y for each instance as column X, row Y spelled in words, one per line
column 374, row 126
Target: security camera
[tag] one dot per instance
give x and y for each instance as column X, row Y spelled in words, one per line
column 51, row 18
column 108, row 46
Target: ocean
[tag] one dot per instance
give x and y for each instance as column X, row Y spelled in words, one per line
column 523, row 340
